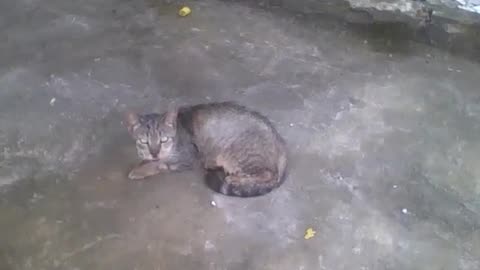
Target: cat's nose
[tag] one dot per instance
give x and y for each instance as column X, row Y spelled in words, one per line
column 154, row 153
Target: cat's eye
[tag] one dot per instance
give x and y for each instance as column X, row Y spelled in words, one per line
column 163, row 139
column 143, row 141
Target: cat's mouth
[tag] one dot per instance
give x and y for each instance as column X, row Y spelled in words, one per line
column 149, row 157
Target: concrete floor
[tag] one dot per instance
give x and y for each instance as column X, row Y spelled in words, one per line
column 384, row 135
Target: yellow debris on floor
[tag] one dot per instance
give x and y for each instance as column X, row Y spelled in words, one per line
column 184, row 11
column 309, row 233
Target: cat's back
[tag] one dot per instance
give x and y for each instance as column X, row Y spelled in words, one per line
column 228, row 120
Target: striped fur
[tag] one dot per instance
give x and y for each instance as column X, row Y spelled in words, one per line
column 242, row 153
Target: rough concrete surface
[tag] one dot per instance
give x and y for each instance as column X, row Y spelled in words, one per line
column 383, row 134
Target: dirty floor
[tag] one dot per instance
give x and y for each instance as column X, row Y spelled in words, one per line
column 383, row 134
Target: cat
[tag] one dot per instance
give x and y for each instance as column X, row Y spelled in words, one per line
column 242, row 153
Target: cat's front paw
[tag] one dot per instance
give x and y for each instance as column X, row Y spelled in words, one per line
column 146, row 169
column 136, row 175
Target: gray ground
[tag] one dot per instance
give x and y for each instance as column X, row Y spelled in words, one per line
column 384, row 135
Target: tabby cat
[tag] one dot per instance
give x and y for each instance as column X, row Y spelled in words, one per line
column 242, row 153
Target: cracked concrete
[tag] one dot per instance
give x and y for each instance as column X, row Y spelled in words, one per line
column 383, row 133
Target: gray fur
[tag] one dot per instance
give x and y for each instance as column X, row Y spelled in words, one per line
column 241, row 151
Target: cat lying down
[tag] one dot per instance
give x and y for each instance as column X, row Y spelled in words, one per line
column 241, row 151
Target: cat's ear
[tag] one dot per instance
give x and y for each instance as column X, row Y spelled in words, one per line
column 131, row 120
column 171, row 116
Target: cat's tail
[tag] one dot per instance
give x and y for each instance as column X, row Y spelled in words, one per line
column 248, row 187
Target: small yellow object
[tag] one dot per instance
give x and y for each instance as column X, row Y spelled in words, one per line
column 309, row 233
column 184, row 11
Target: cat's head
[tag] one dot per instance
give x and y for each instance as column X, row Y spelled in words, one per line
column 154, row 134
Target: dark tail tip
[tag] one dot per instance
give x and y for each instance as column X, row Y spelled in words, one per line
column 215, row 180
